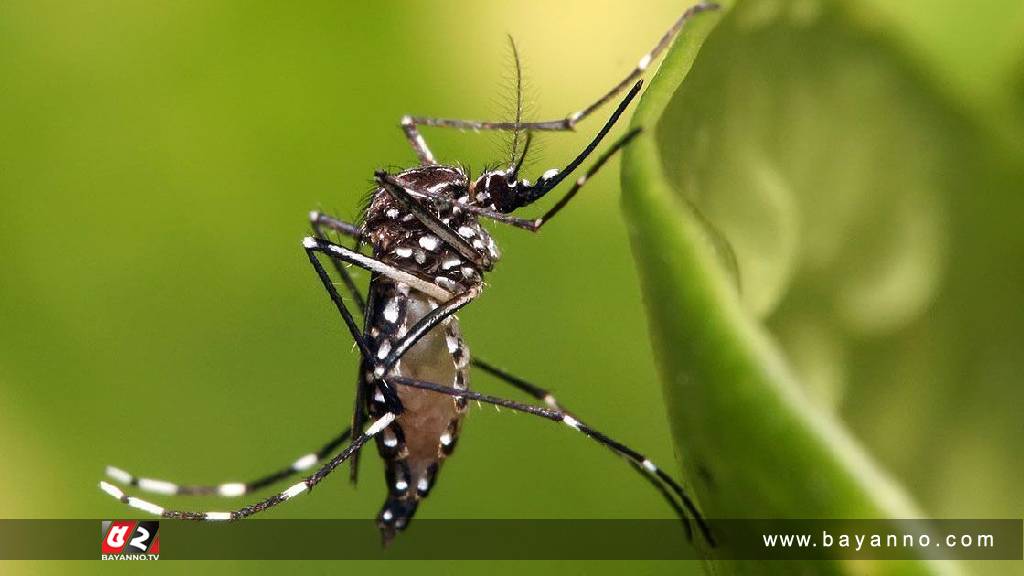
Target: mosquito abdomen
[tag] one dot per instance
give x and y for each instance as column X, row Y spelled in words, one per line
column 425, row 433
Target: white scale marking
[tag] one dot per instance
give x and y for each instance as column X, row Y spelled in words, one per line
column 294, row 491
column 649, row 466
column 305, row 462
column 549, row 174
column 158, row 486
column 112, row 490
column 401, row 485
column 422, row 485
column 453, row 343
column 119, row 475
column 644, row 62
column 380, row 424
column 429, row 242
column 145, row 506
column 391, row 311
column 403, row 252
column 384, row 350
column 232, row 489
column 571, row 422
column 466, row 232
column 446, row 439
column 218, row 515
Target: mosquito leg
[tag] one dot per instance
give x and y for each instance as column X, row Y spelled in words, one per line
column 528, row 194
column 548, row 398
column 419, row 145
column 228, row 489
column 307, row 484
column 319, row 222
column 536, row 392
column 313, row 245
column 410, row 123
column 638, row 460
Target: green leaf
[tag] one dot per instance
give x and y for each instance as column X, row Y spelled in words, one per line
column 785, row 202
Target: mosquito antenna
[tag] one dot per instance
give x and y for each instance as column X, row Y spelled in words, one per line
column 519, row 100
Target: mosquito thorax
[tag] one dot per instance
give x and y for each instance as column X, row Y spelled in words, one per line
column 400, row 239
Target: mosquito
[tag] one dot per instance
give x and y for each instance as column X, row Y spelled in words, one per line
column 428, row 258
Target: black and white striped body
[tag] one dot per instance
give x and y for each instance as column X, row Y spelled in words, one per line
column 429, row 257
column 425, row 433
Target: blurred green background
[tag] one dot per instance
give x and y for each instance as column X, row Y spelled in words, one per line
column 158, row 312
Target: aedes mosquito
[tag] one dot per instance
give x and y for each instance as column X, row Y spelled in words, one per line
column 429, row 257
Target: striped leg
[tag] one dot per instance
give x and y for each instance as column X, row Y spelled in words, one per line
column 313, row 245
column 410, row 123
column 319, row 222
column 638, row 460
column 548, row 398
column 536, row 392
column 307, row 484
column 229, row 489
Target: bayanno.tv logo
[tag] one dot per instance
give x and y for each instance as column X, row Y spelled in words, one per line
column 130, row 540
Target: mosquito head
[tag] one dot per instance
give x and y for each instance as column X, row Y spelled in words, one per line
column 503, row 191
